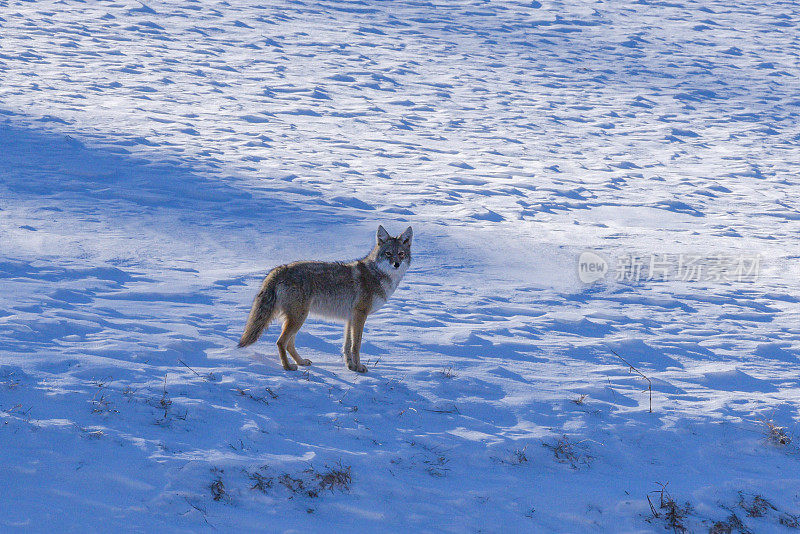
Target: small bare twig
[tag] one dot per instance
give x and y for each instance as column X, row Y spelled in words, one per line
column 8, row 411
column 580, row 400
column 217, row 487
column 165, row 402
column 775, row 434
column 189, row 368
column 652, row 508
column 638, row 372
column 203, row 513
column 674, row 513
column 345, row 394
column 208, row 377
column 454, row 409
column 565, row 452
column 249, row 395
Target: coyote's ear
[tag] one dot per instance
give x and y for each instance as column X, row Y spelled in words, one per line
column 405, row 237
column 382, row 235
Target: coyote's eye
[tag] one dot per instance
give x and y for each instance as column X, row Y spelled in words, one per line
column 401, row 254
column 388, row 254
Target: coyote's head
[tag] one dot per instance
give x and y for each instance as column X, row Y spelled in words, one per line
column 393, row 253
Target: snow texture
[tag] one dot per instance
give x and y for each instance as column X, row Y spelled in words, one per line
column 156, row 160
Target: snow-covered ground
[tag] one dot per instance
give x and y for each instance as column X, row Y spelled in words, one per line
column 157, row 160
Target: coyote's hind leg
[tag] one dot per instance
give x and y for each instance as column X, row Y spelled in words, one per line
column 290, row 347
column 291, row 325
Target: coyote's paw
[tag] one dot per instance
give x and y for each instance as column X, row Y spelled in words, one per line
column 290, row 367
column 360, row 368
column 304, row 361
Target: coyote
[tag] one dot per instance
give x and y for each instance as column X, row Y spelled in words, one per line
column 346, row 292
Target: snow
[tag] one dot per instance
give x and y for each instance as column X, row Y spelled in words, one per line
column 158, row 158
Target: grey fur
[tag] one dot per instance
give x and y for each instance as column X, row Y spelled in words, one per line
column 346, row 292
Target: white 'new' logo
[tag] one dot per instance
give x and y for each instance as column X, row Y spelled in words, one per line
column 591, row 267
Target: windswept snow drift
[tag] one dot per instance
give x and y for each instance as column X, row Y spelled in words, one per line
column 157, row 159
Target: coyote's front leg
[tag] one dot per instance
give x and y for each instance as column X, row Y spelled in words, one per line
column 356, row 331
column 347, row 350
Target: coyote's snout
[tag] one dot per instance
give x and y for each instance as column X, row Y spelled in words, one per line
column 346, row 292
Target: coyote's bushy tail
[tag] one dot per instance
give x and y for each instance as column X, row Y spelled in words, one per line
column 261, row 314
